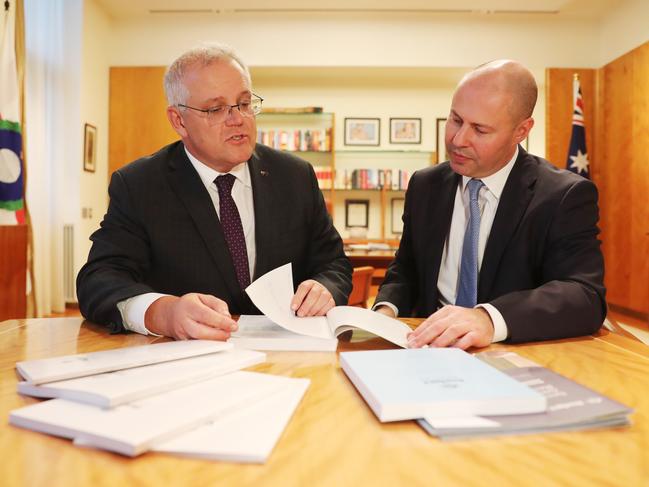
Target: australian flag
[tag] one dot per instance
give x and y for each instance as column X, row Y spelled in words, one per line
column 577, row 155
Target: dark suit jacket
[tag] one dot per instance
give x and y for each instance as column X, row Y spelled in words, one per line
column 162, row 234
column 542, row 267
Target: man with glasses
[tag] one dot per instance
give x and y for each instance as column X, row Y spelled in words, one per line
column 497, row 244
column 190, row 226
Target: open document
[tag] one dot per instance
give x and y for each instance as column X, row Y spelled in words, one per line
column 272, row 294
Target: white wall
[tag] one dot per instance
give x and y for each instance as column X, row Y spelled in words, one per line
column 97, row 34
column 625, row 29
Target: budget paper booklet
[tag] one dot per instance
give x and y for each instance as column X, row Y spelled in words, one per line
column 435, row 382
column 272, row 294
column 571, row 406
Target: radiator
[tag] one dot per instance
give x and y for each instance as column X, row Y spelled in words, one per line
column 69, row 295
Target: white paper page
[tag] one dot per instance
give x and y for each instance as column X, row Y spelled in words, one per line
column 114, row 388
column 80, row 365
column 248, row 434
column 461, row 422
column 344, row 318
column 258, row 332
column 136, row 427
column 272, row 294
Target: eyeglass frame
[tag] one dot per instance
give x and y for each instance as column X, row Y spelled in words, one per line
column 209, row 111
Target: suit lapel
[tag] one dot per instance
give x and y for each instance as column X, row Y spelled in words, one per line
column 515, row 198
column 189, row 188
column 439, row 212
column 261, row 180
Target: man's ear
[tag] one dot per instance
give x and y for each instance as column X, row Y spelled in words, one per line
column 176, row 121
column 523, row 130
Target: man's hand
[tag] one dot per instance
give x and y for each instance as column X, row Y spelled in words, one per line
column 454, row 326
column 312, row 299
column 199, row 316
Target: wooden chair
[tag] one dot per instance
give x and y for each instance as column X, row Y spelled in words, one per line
column 361, row 281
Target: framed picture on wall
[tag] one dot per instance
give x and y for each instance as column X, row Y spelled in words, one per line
column 405, row 130
column 357, row 213
column 362, row 131
column 90, row 148
column 440, row 130
column 396, row 212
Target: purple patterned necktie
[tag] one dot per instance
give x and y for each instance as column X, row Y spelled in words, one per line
column 233, row 230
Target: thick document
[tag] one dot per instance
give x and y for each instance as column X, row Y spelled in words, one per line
column 114, row 388
column 136, row 427
column 435, row 382
column 71, row 366
column 247, row 435
column 272, row 294
column 571, row 406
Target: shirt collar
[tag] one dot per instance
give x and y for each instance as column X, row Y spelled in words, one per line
column 496, row 182
column 208, row 175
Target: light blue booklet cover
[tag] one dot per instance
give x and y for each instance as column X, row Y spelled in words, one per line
column 435, row 382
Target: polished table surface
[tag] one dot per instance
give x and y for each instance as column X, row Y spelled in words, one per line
column 334, row 438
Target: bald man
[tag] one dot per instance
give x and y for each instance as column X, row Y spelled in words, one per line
column 497, row 244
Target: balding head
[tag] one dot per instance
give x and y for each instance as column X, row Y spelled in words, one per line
column 512, row 78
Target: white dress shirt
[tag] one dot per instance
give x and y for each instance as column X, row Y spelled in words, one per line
column 134, row 309
column 449, row 272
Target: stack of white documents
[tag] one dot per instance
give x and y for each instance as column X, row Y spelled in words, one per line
column 185, row 397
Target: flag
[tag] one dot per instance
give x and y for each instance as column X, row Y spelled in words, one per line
column 577, row 155
column 12, row 206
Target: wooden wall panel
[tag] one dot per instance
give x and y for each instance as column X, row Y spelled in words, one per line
column 13, row 276
column 138, row 122
column 558, row 113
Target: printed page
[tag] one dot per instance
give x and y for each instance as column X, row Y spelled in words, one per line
column 114, row 388
column 272, row 294
column 343, row 318
column 246, row 435
column 258, row 332
column 84, row 364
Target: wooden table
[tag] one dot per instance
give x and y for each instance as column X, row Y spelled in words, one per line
column 334, row 438
column 379, row 259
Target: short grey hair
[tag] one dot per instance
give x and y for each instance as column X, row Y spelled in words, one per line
column 205, row 55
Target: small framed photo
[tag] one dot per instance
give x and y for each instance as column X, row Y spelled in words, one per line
column 357, row 213
column 90, row 148
column 440, row 131
column 362, row 131
column 405, row 131
column 396, row 206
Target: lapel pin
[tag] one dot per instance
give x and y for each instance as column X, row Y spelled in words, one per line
column 264, row 173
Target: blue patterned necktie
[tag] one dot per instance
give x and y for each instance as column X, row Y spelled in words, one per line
column 232, row 229
column 467, row 294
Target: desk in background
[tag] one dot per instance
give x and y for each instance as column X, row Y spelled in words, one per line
column 334, row 438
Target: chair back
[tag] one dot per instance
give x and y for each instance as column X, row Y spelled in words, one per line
column 361, row 281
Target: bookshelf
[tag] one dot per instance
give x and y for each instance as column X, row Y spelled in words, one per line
column 364, row 187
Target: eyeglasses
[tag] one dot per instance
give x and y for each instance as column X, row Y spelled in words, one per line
column 219, row 114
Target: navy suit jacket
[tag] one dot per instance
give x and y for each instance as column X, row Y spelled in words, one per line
column 162, row 234
column 542, row 266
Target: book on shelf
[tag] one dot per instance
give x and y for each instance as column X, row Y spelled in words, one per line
column 435, row 383
column 272, row 294
column 139, row 426
column 296, row 140
column 52, row 369
column 247, row 435
column 372, row 178
column 571, row 406
column 112, row 389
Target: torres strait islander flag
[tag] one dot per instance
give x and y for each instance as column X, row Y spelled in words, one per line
column 12, row 209
column 577, row 155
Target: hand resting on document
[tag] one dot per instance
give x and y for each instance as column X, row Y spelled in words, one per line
column 312, row 299
column 194, row 315
column 451, row 326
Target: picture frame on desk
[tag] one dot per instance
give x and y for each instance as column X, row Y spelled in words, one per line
column 89, row 148
column 357, row 213
column 396, row 212
column 405, row 130
column 363, row 131
column 440, row 145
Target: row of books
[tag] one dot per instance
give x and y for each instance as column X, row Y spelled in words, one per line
column 391, row 179
column 189, row 398
column 316, row 140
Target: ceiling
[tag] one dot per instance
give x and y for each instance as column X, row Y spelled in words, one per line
column 125, row 9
